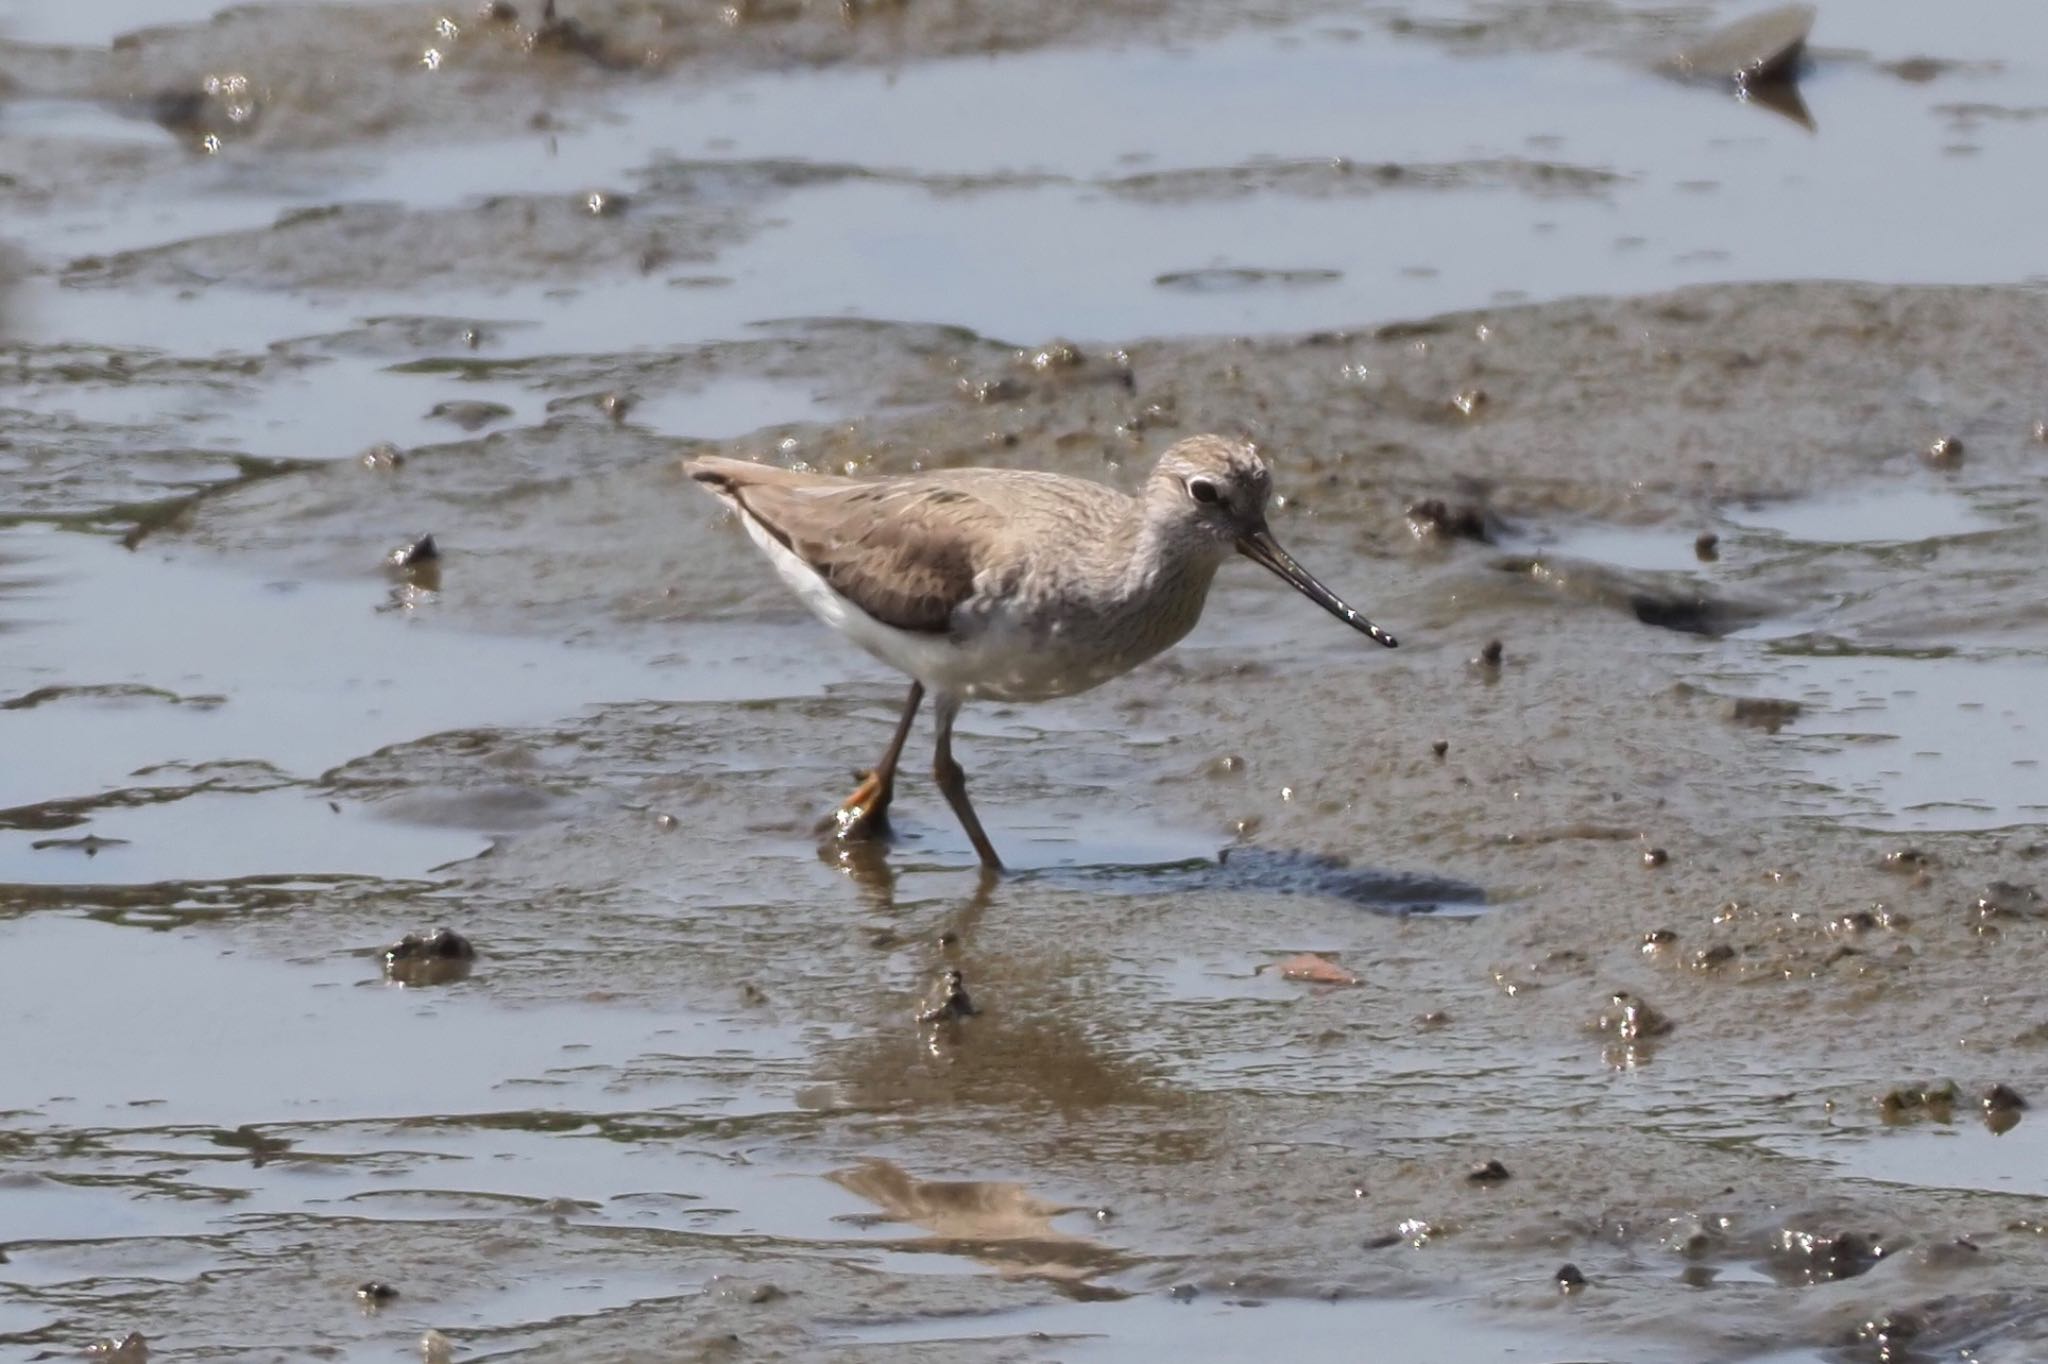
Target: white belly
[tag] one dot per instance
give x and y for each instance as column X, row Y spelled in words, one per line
column 999, row 662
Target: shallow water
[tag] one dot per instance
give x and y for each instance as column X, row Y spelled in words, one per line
column 681, row 1104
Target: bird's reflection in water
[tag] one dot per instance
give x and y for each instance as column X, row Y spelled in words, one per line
column 997, row 1222
column 1035, row 1046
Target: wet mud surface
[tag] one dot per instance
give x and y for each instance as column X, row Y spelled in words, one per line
column 1668, row 909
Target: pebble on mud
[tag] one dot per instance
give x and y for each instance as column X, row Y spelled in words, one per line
column 1434, row 519
column 1487, row 1172
column 1945, row 453
column 374, row 1295
column 1888, row 1332
column 420, row 551
column 1415, row 1231
column 469, row 414
column 2000, row 1098
column 948, row 999
column 1056, row 355
column 436, row 958
column 992, row 390
column 436, row 1348
column 1655, row 857
column 1468, row 402
column 1570, row 1279
column 2002, row 1109
column 2002, row 899
column 1823, row 1256
column 1909, row 1102
column 1712, row 958
column 1440, row 747
column 1763, row 712
column 577, row 39
column 2041, row 433
column 1316, row 970
column 1631, row 1018
column 1707, row 548
column 132, row 1348
column 1657, row 939
column 383, row 457
column 1490, row 656
column 1435, row 1018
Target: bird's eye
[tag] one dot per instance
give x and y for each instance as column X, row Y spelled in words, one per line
column 1202, row 490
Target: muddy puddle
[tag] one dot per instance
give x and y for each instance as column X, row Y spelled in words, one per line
column 1692, row 934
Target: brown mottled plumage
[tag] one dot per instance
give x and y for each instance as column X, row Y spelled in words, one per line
column 1006, row 583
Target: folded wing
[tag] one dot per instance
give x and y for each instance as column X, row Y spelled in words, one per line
column 905, row 551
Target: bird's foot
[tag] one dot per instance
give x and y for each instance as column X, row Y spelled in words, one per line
column 863, row 815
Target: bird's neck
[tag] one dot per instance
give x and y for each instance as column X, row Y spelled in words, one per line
column 1164, row 557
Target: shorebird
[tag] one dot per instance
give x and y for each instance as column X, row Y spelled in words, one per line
column 1007, row 584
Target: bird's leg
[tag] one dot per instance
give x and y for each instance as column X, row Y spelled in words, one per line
column 953, row 782
column 865, row 813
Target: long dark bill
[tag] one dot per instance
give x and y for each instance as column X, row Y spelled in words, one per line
column 1261, row 548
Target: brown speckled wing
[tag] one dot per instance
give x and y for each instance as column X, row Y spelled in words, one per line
column 904, row 552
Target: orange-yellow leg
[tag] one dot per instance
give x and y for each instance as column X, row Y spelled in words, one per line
column 865, row 813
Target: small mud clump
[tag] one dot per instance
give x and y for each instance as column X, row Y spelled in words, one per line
column 1908, row 861
column 2000, row 1098
column 1856, row 922
column 576, row 39
column 1889, row 1333
column 2005, row 900
column 1762, row 712
column 132, row 1348
column 1707, row 547
column 1946, row 452
column 1631, row 1018
column 948, row 1000
column 1316, row 969
column 1436, row 520
column 1910, row 1103
column 1570, row 1279
column 437, row 958
column 374, row 1295
column 1489, row 657
column 1487, row 1172
column 2002, row 1109
column 1000, row 390
column 1055, row 355
column 1815, row 1256
column 468, row 413
column 415, row 553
